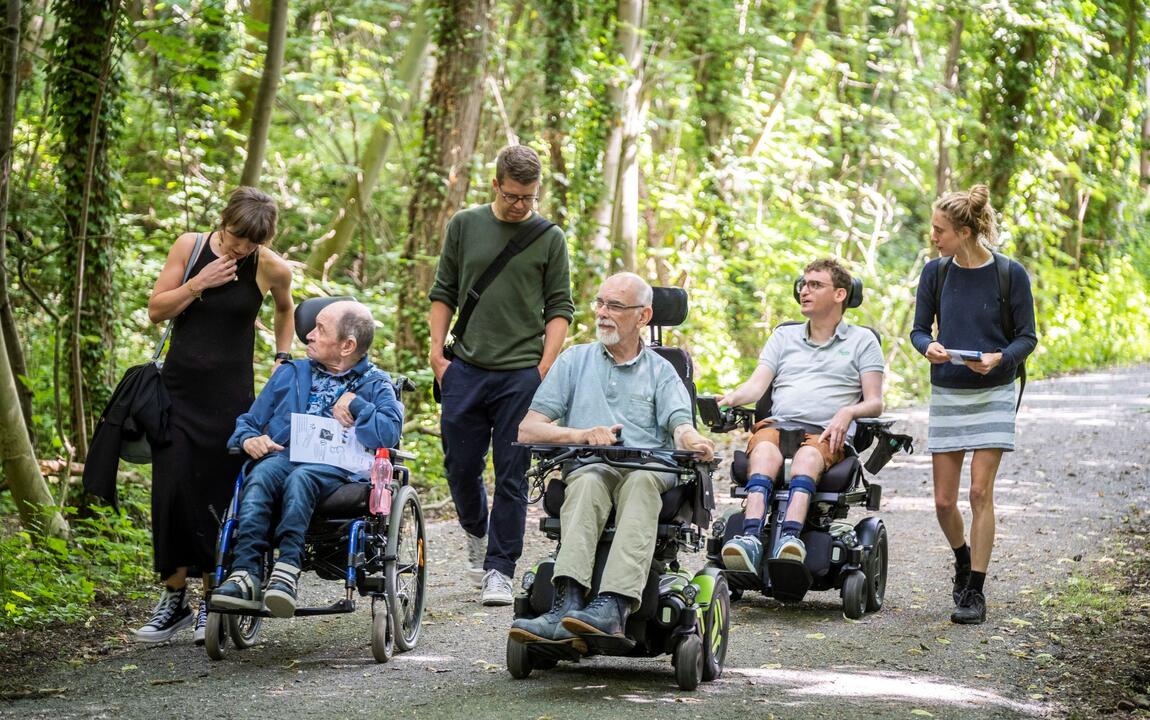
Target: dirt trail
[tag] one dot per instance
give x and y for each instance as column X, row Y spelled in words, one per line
column 1080, row 468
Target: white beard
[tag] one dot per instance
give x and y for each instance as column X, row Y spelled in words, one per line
column 607, row 336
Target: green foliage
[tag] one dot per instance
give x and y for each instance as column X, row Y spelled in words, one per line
column 52, row 581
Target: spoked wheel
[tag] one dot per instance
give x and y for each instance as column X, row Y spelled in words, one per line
column 244, row 630
column 382, row 637
column 854, row 594
column 518, row 661
column 715, row 624
column 689, row 662
column 876, row 572
column 216, row 636
column 406, row 575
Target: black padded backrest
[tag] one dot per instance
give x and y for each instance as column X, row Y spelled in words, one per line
column 668, row 306
column 306, row 311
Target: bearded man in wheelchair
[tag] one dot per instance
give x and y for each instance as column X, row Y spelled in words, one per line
column 616, row 391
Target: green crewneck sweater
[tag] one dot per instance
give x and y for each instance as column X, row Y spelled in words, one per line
column 506, row 329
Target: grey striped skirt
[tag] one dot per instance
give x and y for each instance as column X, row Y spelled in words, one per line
column 971, row 419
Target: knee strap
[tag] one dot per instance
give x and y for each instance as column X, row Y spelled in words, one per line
column 803, row 483
column 759, row 483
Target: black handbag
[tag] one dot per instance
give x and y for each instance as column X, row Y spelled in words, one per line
column 530, row 232
column 135, row 446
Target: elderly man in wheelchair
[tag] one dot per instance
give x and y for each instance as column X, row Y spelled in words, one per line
column 599, row 396
column 823, row 376
column 336, row 381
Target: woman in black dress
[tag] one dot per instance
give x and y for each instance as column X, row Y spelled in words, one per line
column 209, row 377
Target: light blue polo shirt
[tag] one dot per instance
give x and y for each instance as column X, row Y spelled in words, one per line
column 813, row 382
column 586, row 388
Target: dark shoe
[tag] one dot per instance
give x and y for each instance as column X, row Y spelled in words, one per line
column 961, row 576
column 602, row 624
column 170, row 615
column 971, row 608
column 200, row 631
column 282, row 590
column 241, row 591
column 548, row 627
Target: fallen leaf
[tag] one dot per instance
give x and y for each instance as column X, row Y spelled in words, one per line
column 920, row 711
column 816, row 636
column 126, row 668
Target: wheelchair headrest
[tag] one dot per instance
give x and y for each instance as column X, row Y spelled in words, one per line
column 668, row 306
column 306, row 312
column 854, row 295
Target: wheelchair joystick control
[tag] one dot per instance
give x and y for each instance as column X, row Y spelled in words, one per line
column 379, row 500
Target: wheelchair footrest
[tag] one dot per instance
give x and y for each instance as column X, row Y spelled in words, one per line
column 790, row 579
column 554, row 650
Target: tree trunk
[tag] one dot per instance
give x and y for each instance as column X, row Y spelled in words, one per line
column 561, row 21
column 33, row 499
column 942, row 170
column 247, row 84
column 9, row 83
column 88, row 116
column 265, row 101
column 450, row 129
column 362, row 184
column 625, row 218
column 1144, row 156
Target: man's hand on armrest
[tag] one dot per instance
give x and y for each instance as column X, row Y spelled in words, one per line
column 257, row 447
column 538, row 428
column 688, row 438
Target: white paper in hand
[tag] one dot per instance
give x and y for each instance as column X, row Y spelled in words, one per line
column 323, row 440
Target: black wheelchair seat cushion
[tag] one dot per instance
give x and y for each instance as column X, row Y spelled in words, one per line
column 348, row 501
column 840, row 478
column 676, row 501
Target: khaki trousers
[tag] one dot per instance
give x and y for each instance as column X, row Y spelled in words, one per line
column 591, row 492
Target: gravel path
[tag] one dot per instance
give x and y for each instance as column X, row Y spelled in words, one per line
column 1081, row 466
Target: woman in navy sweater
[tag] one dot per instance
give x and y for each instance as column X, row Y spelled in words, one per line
column 972, row 401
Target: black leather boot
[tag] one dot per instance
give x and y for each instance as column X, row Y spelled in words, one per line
column 569, row 597
column 602, row 623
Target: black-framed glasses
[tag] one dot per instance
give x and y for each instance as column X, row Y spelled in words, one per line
column 612, row 307
column 512, row 199
column 814, row 285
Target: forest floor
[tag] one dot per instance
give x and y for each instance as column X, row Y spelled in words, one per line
column 1068, row 631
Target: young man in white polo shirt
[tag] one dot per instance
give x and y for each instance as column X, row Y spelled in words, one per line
column 825, row 373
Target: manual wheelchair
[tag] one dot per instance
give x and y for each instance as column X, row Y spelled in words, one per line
column 681, row 614
column 381, row 556
column 851, row 559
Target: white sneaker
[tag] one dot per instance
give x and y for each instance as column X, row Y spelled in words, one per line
column 496, row 589
column 476, row 554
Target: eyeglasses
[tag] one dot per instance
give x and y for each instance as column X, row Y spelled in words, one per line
column 511, row 199
column 612, row 307
column 813, row 285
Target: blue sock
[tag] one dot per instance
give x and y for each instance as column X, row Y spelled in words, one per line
column 791, row 527
column 757, row 483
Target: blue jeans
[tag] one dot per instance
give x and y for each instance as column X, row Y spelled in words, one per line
column 483, row 408
column 296, row 488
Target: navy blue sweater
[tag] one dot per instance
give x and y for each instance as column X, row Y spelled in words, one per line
column 969, row 319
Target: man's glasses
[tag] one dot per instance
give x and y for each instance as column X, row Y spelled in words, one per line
column 511, row 199
column 813, row 285
column 612, row 307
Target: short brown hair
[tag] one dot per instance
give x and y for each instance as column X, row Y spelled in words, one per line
column 520, row 163
column 840, row 278
column 251, row 214
column 971, row 209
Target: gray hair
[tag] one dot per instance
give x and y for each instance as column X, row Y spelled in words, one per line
column 355, row 322
column 520, row 163
column 645, row 295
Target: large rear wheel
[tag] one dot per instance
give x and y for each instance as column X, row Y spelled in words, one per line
column 406, row 575
column 876, row 572
column 715, row 630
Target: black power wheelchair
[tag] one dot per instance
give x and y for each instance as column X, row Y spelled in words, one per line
column 849, row 558
column 681, row 614
column 381, row 556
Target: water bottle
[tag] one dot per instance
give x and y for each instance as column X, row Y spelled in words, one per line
column 379, row 501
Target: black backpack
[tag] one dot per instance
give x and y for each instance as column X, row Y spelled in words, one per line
column 1002, row 268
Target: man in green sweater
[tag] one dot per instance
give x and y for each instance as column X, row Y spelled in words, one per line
column 514, row 335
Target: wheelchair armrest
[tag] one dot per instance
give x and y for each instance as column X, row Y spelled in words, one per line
column 879, row 422
column 725, row 419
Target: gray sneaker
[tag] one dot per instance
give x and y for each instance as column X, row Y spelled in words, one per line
column 496, row 589
column 476, row 554
column 743, row 553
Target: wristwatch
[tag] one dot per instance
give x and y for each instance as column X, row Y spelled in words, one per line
column 284, row 356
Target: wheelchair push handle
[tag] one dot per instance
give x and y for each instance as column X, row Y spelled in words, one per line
column 723, row 420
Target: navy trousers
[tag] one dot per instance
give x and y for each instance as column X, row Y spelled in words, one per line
column 481, row 409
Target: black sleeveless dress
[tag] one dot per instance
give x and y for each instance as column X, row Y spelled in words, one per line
column 209, row 377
